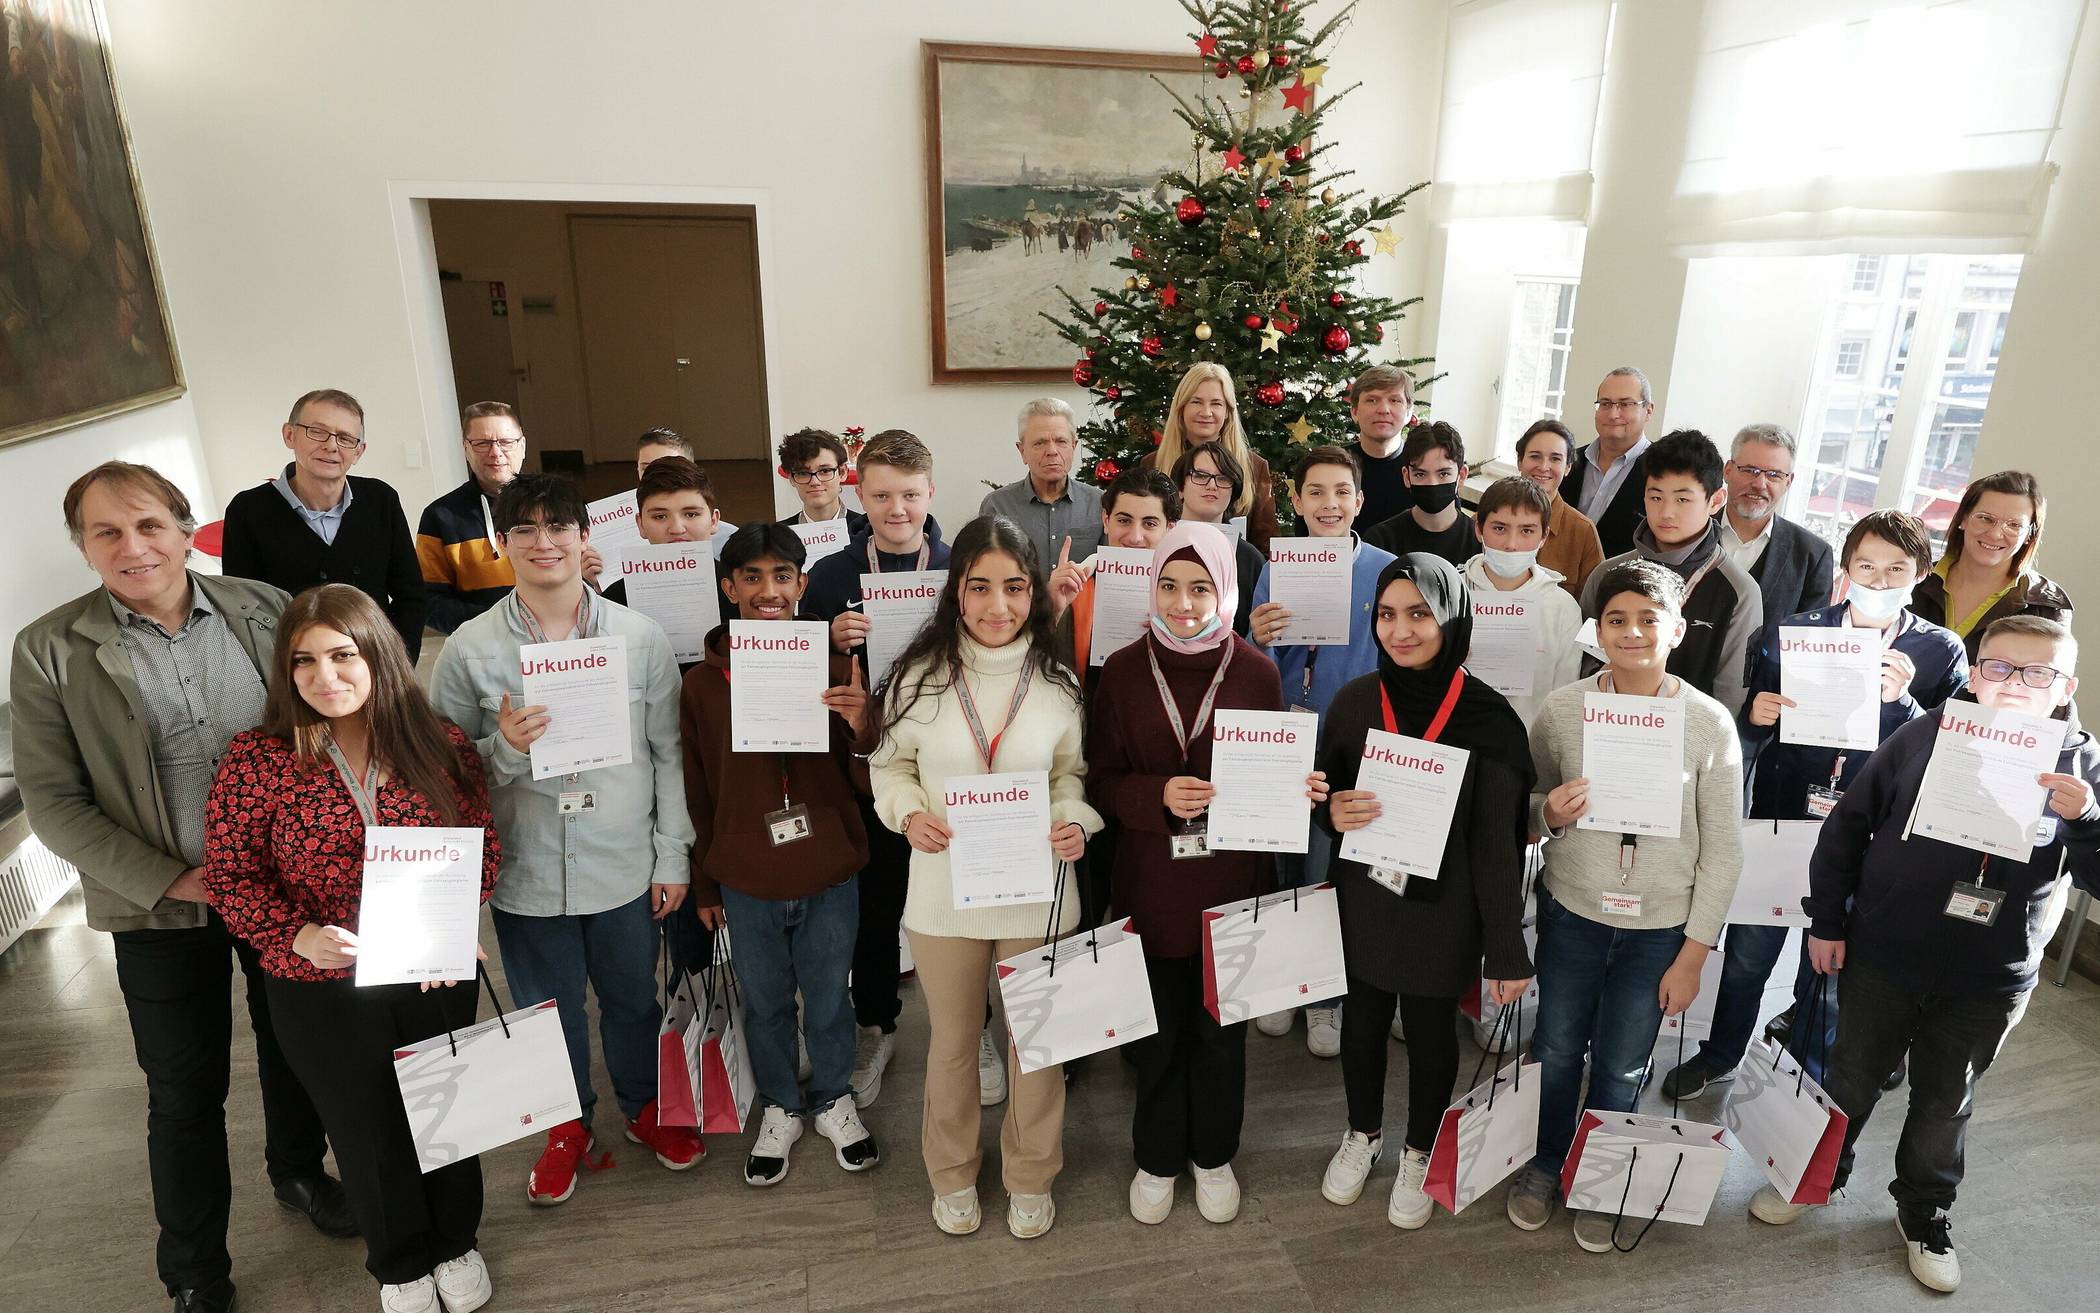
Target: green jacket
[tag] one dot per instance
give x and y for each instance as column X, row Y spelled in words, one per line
column 84, row 751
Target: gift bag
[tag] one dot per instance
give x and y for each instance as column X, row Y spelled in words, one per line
column 1644, row 1169
column 1077, row 995
column 1775, row 873
column 1784, row 1120
column 1263, row 955
column 1697, row 1021
column 472, row 1090
column 715, row 1049
column 1492, row 1131
column 678, row 1049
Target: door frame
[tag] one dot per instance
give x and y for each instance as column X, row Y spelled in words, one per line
column 408, row 202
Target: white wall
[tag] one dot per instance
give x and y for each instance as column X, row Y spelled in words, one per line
column 1747, row 342
column 268, row 137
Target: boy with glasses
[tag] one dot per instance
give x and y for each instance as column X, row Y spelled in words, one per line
column 815, row 462
column 464, row 567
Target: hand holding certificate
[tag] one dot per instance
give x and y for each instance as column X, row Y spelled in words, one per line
column 778, row 674
column 1309, row 577
column 898, row 606
column 582, row 682
column 1259, row 761
column 1417, row 784
column 999, row 845
column 616, row 529
column 1633, row 757
column 1980, row 789
column 420, row 911
column 1122, row 599
column 1833, row 679
column 674, row 585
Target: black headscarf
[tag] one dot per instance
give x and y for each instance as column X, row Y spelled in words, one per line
column 1483, row 722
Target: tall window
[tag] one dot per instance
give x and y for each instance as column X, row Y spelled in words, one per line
column 1535, row 370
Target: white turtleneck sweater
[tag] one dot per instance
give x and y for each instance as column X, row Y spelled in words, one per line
column 933, row 743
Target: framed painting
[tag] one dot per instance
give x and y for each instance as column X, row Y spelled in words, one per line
column 1031, row 154
column 84, row 331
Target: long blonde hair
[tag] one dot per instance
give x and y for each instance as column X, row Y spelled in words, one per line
column 1232, row 436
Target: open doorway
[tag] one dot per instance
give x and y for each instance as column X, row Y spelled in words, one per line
column 599, row 321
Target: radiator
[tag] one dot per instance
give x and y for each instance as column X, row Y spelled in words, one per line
column 32, row 880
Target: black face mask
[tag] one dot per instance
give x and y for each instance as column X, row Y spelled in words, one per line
column 1434, row 498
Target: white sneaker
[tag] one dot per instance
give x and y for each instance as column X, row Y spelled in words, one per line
column 1931, row 1255
column 1030, row 1215
column 1409, row 1208
column 1276, row 1023
column 1774, row 1209
column 802, row 1067
column 418, row 1296
column 463, row 1283
column 778, row 1130
column 1151, row 1197
column 991, row 1071
column 872, row 1048
column 1350, row 1167
column 1323, row 1032
column 1217, row 1193
column 853, row 1146
column 957, row 1213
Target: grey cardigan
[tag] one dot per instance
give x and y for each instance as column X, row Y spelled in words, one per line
column 84, row 751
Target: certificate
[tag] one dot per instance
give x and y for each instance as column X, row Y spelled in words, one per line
column 583, row 684
column 822, row 539
column 1833, row 677
column 1633, row 757
column 1504, row 652
column 1979, row 790
column 1258, row 764
column 1309, row 577
column 421, row 907
column 674, row 585
column 1234, row 529
column 999, row 845
column 780, row 670
column 897, row 606
column 616, row 526
column 1417, row 786
column 1122, row 599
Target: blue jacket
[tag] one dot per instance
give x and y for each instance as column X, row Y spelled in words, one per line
column 1333, row 667
column 1781, row 774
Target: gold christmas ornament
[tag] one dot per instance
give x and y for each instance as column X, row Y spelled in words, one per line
column 1388, row 240
column 1270, row 337
column 1327, row 196
column 1203, row 332
column 1261, row 59
column 1301, row 431
column 1130, row 284
column 1312, row 73
column 1144, row 282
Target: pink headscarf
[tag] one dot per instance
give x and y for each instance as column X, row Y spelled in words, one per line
column 1216, row 552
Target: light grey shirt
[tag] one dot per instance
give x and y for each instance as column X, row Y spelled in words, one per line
column 325, row 523
column 199, row 689
column 1076, row 514
column 1598, row 491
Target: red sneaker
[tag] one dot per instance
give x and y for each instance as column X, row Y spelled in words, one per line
column 553, row 1177
column 676, row 1147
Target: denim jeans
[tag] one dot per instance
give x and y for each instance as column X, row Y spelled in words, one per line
column 1952, row 1041
column 1303, row 871
column 801, row 944
column 1749, row 952
column 1598, row 1000
column 615, row 952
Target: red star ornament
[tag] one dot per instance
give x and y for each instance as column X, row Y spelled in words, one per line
column 1234, row 160
column 1168, row 296
column 1298, row 95
column 1206, row 45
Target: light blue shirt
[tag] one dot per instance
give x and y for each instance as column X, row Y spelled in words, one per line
column 1598, row 491
column 325, row 523
column 1332, row 667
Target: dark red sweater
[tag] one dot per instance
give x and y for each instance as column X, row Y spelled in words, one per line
column 1130, row 757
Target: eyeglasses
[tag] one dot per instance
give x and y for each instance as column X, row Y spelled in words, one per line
column 1984, row 521
column 821, row 474
column 1607, row 403
column 1756, row 472
column 483, row 446
column 1206, row 479
column 554, row 535
column 323, row 436
column 2032, row 676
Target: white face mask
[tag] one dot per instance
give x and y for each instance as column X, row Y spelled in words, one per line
column 1508, row 565
column 1878, row 604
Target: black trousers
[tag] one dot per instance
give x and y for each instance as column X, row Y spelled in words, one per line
column 875, row 951
column 178, row 991
column 1191, row 1076
column 341, row 1041
column 1432, row 1059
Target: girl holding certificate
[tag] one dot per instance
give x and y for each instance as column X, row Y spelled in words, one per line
column 1418, row 948
column 1149, row 770
column 347, row 741
column 980, row 690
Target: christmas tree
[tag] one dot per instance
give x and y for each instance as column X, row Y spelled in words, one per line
column 1251, row 265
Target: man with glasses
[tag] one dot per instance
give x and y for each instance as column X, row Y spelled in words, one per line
column 315, row 524
column 1600, row 485
column 1054, row 509
column 461, row 553
column 1793, row 567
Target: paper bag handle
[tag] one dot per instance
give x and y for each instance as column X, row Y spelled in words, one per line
column 1627, row 1193
column 482, row 972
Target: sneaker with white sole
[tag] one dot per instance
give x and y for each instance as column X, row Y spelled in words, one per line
column 1408, row 1208
column 1030, row 1215
column 418, row 1296
column 1323, row 1032
column 1531, row 1195
column 1217, row 1193
column 463, row 1283
column 852, row 1143
column 872, row 1049
column 991, row 1071
column 778, row 1129
column 1276, row 1023
column 1351, row 1167
column 957, row 1213
column 1596, row 1232
column 1151, row 1197
column 1775, row 1209
column 1930, row 1250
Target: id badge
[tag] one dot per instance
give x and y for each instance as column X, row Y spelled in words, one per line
column 577, row 802
column 1621, row 904
column 1389, row 879
column 1192, row 839
column 1822, row 802
column 788, row 824
column 1974, row 903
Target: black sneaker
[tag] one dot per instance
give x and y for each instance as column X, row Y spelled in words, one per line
column 777, row 1132
column 1690, row 1080
column 1779, row 1027
column 854, row 1146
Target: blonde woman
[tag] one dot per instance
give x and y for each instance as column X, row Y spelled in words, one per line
column 1206, row 410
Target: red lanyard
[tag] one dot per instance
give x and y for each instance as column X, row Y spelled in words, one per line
column 875, row 561
column 989, row 749
column 1183, row 734
column 1443, row 713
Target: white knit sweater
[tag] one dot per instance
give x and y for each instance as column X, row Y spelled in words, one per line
column 933, row 743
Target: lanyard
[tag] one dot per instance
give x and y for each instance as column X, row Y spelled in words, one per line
column 366, row 794
column 1182, row 734
column 1443, row 712
column 989, row 748
column 1698, row 576
column 875, row 560
column 784, row 803
column 488, row 521
column 532, row 625
column 1629, row 843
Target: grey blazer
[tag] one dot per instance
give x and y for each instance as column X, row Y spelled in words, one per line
column 1796, row 572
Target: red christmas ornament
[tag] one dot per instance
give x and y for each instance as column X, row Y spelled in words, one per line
column 1235, row 160
column 1100, row 309
column 1280, row 58
column 1321, row 237
column 1286, row 184
column 1335, row 298
column 1378, row 332
column 1245, row 64
column 1289, row 326
column 1294, row 154
column 1206, row 45
column 1252, row 321
column 1269, row 394
column 1156, row 436
column 1106, row 470
column 1298, row 96
column 1190, row 211
column 1113, row 393
column 1083, row 373
column 1137, row 252
column 1223, row 69
column 1168, row 295
column 1149, row 344
column 1353, row 247
column 1335, row 340
column 1261, row 202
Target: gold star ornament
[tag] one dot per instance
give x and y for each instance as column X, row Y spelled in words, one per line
column 1312, row 73
column 1301, row 431
column 1270, row 336
column 1388, row 240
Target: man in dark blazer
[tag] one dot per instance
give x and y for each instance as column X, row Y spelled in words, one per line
column 1603, row 483
column 314, row 524
column 1793, row 568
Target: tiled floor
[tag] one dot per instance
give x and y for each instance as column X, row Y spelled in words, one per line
column 76, row 1224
